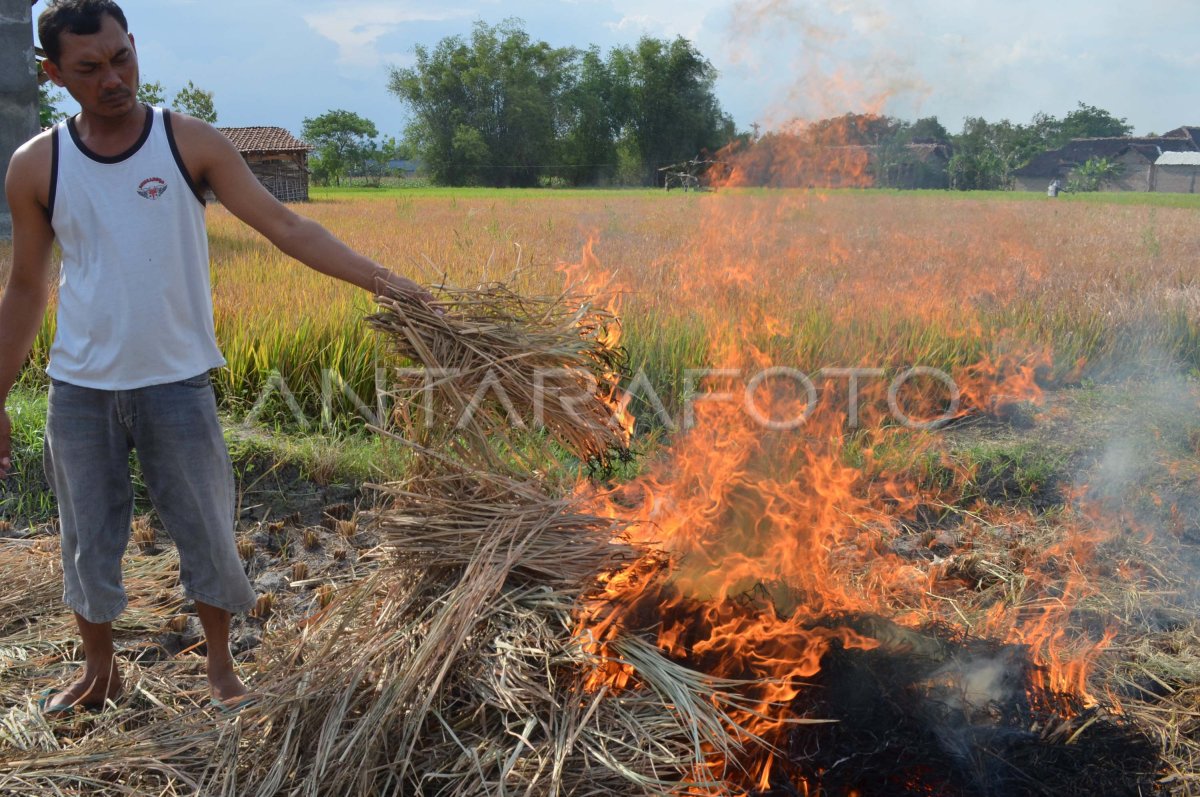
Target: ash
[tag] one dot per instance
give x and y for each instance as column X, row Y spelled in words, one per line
column 935, row 714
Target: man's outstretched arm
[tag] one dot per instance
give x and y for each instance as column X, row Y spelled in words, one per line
column 211, row 157
column 28, row 288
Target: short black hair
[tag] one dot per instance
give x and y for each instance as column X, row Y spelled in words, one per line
column 80, row 17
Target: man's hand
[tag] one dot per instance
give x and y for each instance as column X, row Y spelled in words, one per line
column 5, row 444
column 389, row 282
column 211, row 158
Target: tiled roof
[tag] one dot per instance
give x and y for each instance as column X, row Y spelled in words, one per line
column 264, row 139
column 1058, row 162
column 1190, row 132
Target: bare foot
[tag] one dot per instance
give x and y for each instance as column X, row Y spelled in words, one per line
column 90, row 690
column 226, row 687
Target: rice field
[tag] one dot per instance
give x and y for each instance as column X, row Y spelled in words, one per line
column 1067, row 530
column 839, row 279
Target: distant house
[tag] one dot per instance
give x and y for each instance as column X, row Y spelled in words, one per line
column 1136, row 155
column 920, row 164
column 1176, row 173
column 278, row 159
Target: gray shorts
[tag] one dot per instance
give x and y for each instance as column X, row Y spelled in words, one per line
column 186, row 468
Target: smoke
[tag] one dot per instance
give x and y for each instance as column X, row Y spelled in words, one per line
column 1143, row 474
column 822, row 59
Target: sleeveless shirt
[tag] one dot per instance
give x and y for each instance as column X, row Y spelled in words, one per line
column 134, row 299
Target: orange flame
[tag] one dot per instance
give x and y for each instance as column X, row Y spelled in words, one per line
column 757, row 539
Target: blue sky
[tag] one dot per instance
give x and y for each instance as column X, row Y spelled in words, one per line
column 275, row 62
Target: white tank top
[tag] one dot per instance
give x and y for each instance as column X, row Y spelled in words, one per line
column 134, row 300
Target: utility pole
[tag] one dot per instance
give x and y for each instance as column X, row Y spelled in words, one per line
column 18, row 90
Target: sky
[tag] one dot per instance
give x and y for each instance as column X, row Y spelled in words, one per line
column 276, row 62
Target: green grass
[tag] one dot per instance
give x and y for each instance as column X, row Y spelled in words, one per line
column 1096, row 197
column 25, row 495
column 1023, row 471
column 320, row 193
column 423, row 190
column 321, row 458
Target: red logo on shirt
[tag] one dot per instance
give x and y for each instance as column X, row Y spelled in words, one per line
column 152, row 187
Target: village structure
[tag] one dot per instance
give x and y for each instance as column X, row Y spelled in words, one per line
column 278, row 159
column 1168, row 163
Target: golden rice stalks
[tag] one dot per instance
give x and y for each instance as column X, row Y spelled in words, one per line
column 456, row 673
column 455, row 519
column 467, row 687
column 497, row 363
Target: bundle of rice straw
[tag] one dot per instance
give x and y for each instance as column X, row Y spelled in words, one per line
column 465, row 677
column 455, row 667
column 495, row 363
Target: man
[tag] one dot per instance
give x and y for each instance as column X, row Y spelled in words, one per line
column 120, row 186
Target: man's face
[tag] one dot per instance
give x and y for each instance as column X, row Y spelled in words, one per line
column 99, row 70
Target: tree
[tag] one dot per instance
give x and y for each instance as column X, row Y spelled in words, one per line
column 152, row 93
column 589, row 146
column 928, row 129
column 195, row 101
column 856, row 129
column 487, row 111
column 664, row 97
column 501, row 109
column 377, row 155
column 342, row 139
column 49, row 113
column 1088, row 121
column 985, row 154
column 1094, row 174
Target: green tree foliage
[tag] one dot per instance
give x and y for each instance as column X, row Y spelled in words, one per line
column 377, row 155
column 49, row 113
column 1088, row 121
column 152, row 93
column 928, row 129
column 589, row 146
column 488, row 110
column 666, row 102
column 501, row 109
column 196, row 102
column 1095, row 174
column 987, row 153
column 344, row 143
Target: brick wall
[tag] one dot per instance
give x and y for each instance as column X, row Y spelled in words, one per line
column 1177, row 179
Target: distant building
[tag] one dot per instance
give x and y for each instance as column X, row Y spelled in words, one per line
column 278, row 159
column 1136, row 155
column 1176, row 173
column 921, row 164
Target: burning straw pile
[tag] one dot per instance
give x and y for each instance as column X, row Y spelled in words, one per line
column 454, row 668
column 456, row 665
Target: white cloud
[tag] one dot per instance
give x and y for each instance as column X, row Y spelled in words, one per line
column 357, row 27
column 636, row 22
column 665, row 17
